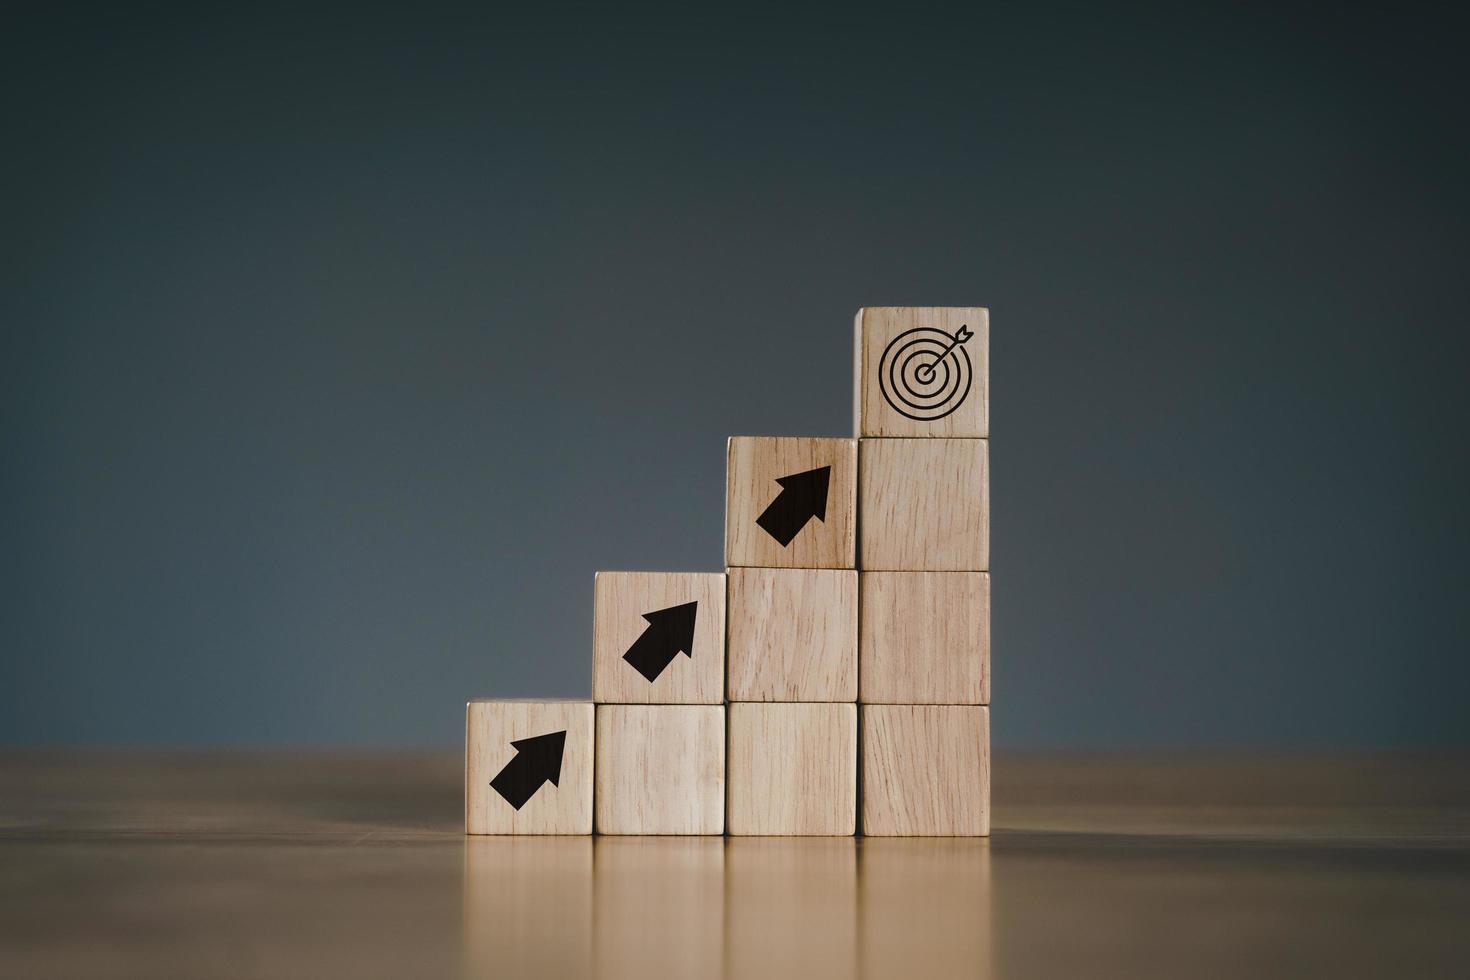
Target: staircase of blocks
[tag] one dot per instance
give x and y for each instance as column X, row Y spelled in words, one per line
column 835, row 679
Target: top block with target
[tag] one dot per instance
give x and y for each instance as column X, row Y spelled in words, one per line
column 922, row 371
column 791, row 502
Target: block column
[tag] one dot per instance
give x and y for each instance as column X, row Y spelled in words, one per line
column 790, row 551
column 921, row 407
column 658, row 677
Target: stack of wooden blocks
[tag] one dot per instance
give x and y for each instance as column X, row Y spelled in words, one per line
column 841, row 664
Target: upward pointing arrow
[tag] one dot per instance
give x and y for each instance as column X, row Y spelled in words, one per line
column 670, row 632
column 537, row 761
column 802, row 497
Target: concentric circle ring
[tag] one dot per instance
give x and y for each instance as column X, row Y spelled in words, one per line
column 899, row 374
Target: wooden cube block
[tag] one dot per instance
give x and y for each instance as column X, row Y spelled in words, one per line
column 793, row 769
column 658, row 638
column 922, row 371
column 793, row 634
column 790, row 502
column 660, row 769
column 925, row 505
column 528, row 767
column 925, row 637
column 926, row 770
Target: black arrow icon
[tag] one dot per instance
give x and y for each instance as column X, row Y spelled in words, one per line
column 802, row 497
column 670, row 632
column 538, row 760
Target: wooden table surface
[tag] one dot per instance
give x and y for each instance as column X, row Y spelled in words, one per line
column 353, row 865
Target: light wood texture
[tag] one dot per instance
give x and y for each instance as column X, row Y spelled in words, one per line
column 795, row 902
column 660, row 769
column 925, row 637
column 793, row 634
column 125, row 864
column 620, row 601
column 926, row 770
column 793, row 769
column 925, row 505
column 753, row 465
column 563, row 807
column 874, row 415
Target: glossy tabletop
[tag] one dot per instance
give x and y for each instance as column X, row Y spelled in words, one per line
column 353, row 865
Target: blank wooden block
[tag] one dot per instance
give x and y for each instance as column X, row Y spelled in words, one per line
column 790, row 502
column 926, row 770
column 925, row 505
column 667, row 626
column 793, row 769
column 528, row 767
column 660, row 769
column 793, row 634
column 925, row 637
column 922, row 371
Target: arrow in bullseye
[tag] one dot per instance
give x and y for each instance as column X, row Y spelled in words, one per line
column 925, row 373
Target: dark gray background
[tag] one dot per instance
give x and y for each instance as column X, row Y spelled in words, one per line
column 341, row 348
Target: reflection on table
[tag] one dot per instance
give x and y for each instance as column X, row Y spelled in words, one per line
column 613, row 907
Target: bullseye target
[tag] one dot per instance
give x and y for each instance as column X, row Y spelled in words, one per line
column 925, row 373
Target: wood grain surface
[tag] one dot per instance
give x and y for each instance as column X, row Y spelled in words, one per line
column 925, row 637
column 792, row 769
column 926, row 770
column 793, row 634
column 620, row 600
column 753, row 465
column 925, row 505
column 874, row 415
column 564, row 807
column 660, row 769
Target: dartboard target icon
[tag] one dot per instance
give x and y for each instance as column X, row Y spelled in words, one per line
column 925, row 373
